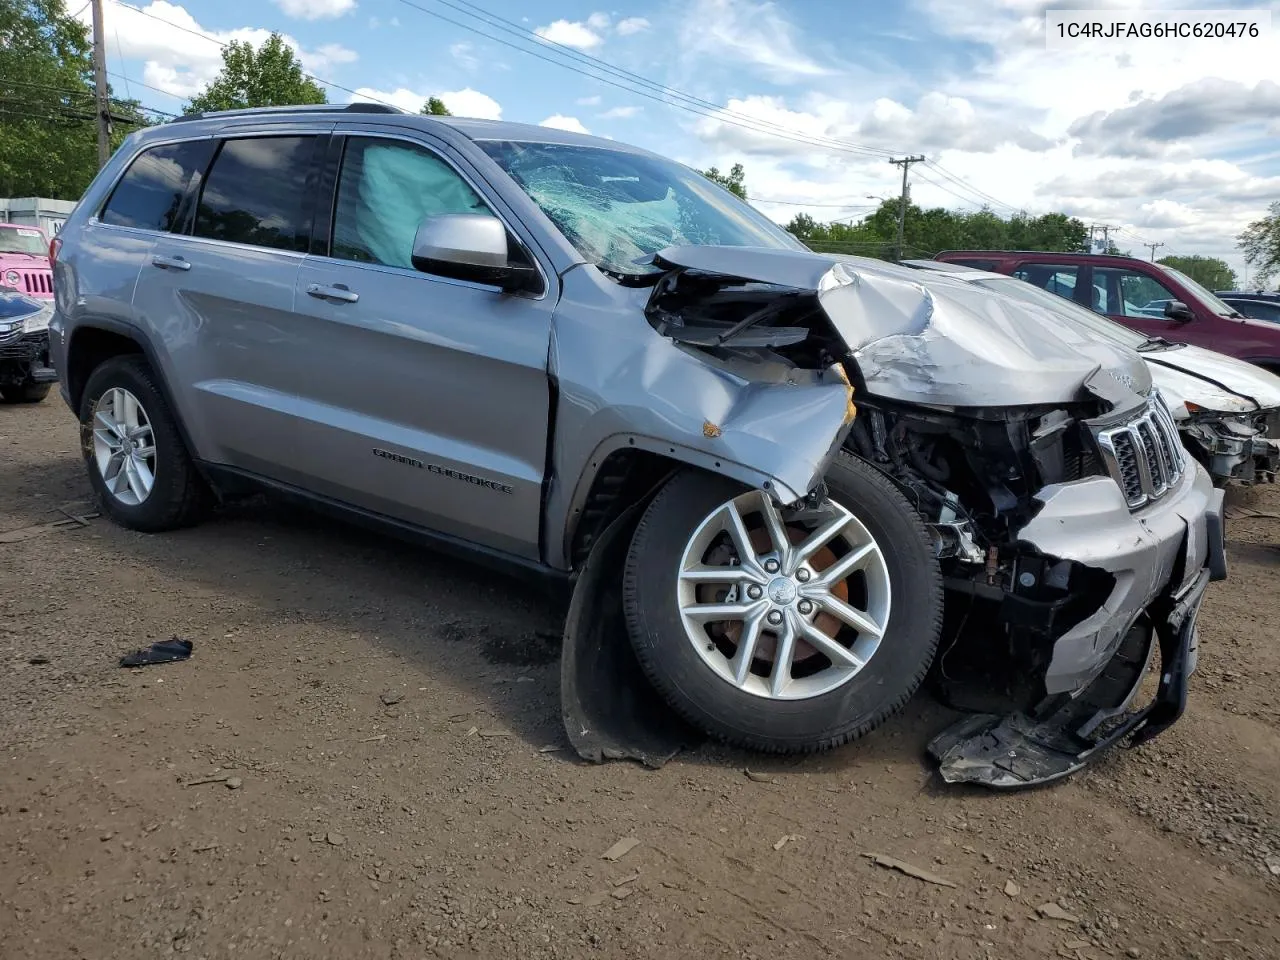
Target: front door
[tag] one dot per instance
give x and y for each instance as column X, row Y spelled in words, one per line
column 416, row 396
column 1138, row 300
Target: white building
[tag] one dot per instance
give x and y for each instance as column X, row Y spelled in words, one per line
column 48, row 215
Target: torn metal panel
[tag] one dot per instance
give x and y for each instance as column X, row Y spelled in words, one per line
column 925, row 338
column 623, row 385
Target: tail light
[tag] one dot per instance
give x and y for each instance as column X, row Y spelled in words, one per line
column 54, row 246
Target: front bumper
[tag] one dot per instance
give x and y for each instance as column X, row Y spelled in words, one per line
column 25, row 359
column 1157, row 550
column 1235, row 447
column 1160, row 560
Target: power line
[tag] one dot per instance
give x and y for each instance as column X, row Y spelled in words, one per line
column 87, row 94
column 808, row 203
column 205, row 36
column 496, row 21
column 715, row 112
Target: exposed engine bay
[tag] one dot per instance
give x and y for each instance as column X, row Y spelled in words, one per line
column 1027, row 460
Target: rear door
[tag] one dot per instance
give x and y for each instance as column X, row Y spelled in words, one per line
column 220, row 293
column 1067, row 280
column 416, row 396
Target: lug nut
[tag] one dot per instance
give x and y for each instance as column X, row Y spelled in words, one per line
column 802, row 575
column 754, row 592
column 775, row 617
column 805, row 607
column 771, row 565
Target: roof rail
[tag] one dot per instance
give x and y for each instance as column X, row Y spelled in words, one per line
column 300, row 108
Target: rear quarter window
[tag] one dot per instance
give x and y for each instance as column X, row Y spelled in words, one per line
column 150, row 193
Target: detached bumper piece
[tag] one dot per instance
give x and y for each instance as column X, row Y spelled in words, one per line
column 1018, row 751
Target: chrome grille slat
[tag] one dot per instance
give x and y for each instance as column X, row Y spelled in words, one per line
column 1145, row 455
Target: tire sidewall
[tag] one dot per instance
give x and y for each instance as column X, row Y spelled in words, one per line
column 707, row 700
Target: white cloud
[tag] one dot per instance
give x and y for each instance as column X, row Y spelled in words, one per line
column 461, row 103
column 463, row 53
column 570, row 33
column 598, row 21
column 472, row 103
column 558, row 121
column 589, row 101
column 747, row 32
column 631, row 25
column 177, row 60
column 315, row 9
column 620, row 113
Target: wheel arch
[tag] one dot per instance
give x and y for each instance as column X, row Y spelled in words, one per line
column 96, row 341
column 627, row 469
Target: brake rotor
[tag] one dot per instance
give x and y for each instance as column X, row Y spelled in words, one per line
column 767, row 644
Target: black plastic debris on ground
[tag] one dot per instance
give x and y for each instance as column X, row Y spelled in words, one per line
column 163, row 651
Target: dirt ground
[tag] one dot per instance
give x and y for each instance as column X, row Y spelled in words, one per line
column 386, row 776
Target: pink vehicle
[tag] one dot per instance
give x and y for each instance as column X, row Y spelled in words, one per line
column 24, row 260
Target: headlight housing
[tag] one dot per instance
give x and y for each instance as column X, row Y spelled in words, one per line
column 12, row 278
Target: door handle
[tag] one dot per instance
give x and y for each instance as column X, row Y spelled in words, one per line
column 170, row 263
column 337, row 292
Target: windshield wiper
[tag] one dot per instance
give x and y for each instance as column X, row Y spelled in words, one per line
column 1157, row 343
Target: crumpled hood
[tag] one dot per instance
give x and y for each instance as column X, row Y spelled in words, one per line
column 928, row 338
column 1214, row 380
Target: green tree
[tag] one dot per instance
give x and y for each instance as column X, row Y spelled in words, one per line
column 734, row 181
column 1261, row 244
column 48, row 133
column 434, row 107
column 927, row 232
column 270, row 76
column 1206, row 271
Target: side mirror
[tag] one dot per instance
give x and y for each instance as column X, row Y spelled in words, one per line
column 1178, row 312
column 470, row 246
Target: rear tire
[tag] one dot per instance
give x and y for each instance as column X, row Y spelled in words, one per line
column 698, row 664
column 137, row 462
column 25, row 392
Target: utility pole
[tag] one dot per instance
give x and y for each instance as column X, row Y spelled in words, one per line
column 102, row 103
column 1106, row 229
column 1153, row 249
column 905, row 163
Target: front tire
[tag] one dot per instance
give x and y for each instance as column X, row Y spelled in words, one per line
column 783, row 631
column 25, row 392
column 138, row 464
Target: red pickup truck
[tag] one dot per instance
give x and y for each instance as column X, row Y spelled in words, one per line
column 1151, row 298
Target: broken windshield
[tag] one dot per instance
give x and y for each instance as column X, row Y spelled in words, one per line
column 617, row 207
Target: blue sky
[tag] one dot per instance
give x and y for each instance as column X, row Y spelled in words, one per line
column 1171, row 141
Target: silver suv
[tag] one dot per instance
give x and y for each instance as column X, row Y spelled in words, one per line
column 581, row 359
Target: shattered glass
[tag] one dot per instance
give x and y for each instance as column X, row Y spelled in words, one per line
column 618, row 207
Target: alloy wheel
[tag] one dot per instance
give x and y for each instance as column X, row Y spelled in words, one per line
column 784, row 605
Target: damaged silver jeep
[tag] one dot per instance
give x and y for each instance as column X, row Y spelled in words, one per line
column 786, row 487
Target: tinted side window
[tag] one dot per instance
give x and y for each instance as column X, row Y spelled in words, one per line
column 151, row 191
column 385, row 190
column 1256, row 309
column 977, row 264
column 255, row 193
column 1056, row 278
column 1128, row 293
